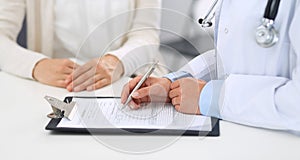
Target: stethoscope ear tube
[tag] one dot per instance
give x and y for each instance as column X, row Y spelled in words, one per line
column 200, row 21
column 206, row 21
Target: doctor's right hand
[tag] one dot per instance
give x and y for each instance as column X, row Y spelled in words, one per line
column 152, row 90
column 53, row 71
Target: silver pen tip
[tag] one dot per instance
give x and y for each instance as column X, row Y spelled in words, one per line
column 123, row 106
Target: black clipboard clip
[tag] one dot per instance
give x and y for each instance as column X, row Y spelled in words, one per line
column 61, row 109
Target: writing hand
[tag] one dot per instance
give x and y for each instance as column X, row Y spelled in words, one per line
column 152, row 90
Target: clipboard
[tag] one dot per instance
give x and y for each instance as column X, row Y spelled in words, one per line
column 53, row 127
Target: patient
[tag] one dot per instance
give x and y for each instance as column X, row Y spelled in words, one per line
column 57, row 28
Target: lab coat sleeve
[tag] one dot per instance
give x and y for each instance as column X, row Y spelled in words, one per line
column 141, row 46
column 202, row 67
column 261, row 101
column 177, row 75
column 13, row 58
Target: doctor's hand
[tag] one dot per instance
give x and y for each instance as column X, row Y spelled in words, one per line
column 95, row 74
column 152, row 90
column 185, row 95
column 53, row 71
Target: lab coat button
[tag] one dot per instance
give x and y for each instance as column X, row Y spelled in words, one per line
column 225, row 76
column 226, row 30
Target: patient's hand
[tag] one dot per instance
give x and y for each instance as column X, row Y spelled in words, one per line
column 152, row 90
column 185, row 95
column 53, row 71
column 95, row 74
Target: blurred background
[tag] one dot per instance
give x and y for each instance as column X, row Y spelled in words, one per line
column 181, row 17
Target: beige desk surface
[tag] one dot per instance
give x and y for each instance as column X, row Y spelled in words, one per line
column 23, row 119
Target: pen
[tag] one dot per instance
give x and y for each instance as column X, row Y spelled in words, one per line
column 145, row 76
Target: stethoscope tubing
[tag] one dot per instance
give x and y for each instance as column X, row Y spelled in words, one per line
column 266, row 35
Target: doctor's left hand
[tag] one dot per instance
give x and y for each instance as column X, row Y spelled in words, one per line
column 185, row 93
column 95, row 74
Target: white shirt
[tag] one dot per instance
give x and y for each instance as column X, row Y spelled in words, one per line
column 86, row 29
column 76, row 19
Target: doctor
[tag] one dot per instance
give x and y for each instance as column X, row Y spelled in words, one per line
column 257, row 69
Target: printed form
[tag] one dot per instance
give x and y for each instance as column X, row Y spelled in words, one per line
column 108, row 113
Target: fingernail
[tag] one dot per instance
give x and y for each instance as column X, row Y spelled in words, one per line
column 134, row 107
column 135, row 94
column 76, row 89
column 89, row 88
column 122, row 101
column 69, row 88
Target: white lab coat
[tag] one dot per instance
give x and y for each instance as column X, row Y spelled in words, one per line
column 260, row 86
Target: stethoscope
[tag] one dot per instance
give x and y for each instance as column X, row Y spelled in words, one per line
column 266, row 34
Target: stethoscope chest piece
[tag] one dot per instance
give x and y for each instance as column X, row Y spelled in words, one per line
column 266, row 34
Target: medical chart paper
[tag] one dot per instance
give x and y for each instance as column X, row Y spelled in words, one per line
column 108, row 113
